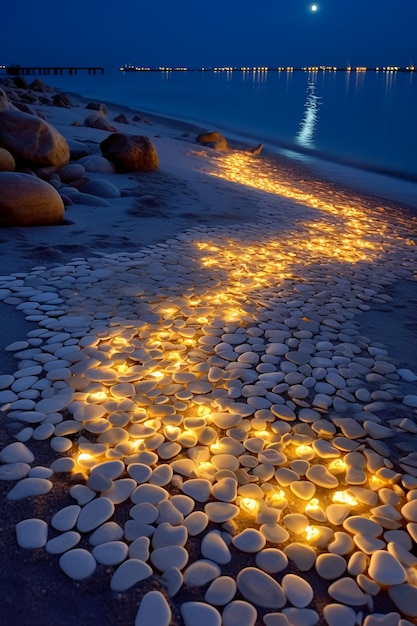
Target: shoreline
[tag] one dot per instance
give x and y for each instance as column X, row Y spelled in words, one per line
column 296, row 253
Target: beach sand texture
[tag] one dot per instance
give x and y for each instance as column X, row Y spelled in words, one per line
column 208, row 397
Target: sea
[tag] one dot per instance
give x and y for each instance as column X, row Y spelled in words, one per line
column 343, row 124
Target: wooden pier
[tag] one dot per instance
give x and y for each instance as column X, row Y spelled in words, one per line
column 19, row 70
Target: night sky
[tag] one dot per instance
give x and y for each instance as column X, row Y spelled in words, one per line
column 197, row 33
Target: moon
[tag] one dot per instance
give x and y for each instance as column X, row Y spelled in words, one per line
column 314, row 8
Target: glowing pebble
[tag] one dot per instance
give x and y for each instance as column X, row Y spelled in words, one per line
column 386, row 569
column 260, row 588
column 303, row 489
column 78, row 563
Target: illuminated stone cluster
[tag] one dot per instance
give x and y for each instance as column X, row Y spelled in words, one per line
column 218, row 386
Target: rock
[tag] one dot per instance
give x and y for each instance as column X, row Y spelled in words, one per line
column 153, row 609
column 32, row 533
column 121, row 119
column 71, row 173
column 130, row 153
column 78, row 563
column 78, row 150
column 7, row 162
column 28, row 201
column 97, row 106
column 31, row 139
column 260, row 588
column 37, row 85
column 385, row 569
column 100, row 188
column 214, row 140
column 404, row 598
column 61, row 100
column 97, row 163
column 298, row 591
column 200, row 613
column 100, row 121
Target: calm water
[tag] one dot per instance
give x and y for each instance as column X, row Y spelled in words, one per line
column 366, row 120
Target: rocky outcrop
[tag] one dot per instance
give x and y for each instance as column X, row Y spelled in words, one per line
column 28, row 201
column 5, row 102
column 100, row 121
column 7, row 162
column 130, row 153
column 31, row 139
column 121, row 119
column 97, row 163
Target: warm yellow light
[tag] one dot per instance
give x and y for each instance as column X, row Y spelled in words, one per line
column 276, row 498
column 312, row 506
column 376, row 483
column 98, row 395
column 305, row 452
column 312, row 533
column 344, row 497
column 249, row 505
column 158, row 375
column 84, row 457
column 338, row 465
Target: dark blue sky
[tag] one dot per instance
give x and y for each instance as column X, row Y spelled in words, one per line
column 209, row 32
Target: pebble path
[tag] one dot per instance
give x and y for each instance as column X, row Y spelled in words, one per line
column 218, row 387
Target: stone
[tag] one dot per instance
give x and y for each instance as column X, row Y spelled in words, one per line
column 7, row 161
column 405, row 598
column 169, row 557
column 130, row 153
column 260, row 588
column 94, row 514
column 347, row 591
column 97, row 163
column 298, row 591
column 249, row 540
column 29, row 487
column 214, row 547
column 239, row 613
column 16, row 452
column 111, row 552
column 271, row 560
column 213, row 139
column 100, row 188
column 221, row 591
column 336, row 614
column 386, row 569
column 330, row 566
column 32, row 140
column 32, row 533
column 153, row 609
column 63, row 543
column 99, row 120
column 28, row 201
column 200, row 613
column 201, row 572
column 78, row 563
column 128, row 574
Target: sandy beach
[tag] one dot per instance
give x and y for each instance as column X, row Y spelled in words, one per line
column 230, row 342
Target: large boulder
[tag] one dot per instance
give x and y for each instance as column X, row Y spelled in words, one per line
column 32, row 140
column 28, row 201
column 130, row 153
